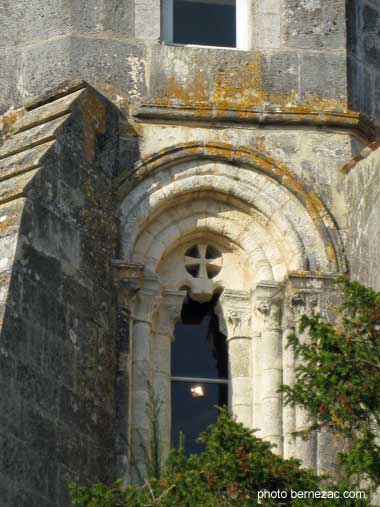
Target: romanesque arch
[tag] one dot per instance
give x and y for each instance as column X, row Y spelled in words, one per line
column 278, row 246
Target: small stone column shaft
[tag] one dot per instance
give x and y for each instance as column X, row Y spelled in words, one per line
column 268, row 310
column 144, row 306
column 168, row 314
column 234, row 311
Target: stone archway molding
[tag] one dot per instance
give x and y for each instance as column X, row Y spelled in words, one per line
column 251, row 159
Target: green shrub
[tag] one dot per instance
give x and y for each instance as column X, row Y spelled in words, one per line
column 233, row 468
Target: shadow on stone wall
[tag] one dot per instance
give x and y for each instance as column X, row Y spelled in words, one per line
column 58, row 337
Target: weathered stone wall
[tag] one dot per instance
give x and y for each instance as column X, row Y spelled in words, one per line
column 362, row 187
column 297, row 56
column 364, row 56
column 316, row 156
column 57, row 340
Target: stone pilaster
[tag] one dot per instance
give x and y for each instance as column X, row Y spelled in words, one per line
column 127, row 280
column 268, row 303
column 306, row 450
column 306, row 293
column 234, row 312
column 290, row 318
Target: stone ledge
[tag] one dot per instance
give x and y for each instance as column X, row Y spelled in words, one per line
column 65, row 88
column 206, row 113
column 23, row 161
column 31, row 138
column 14, row 188
column 361, row 156
column 312, row 275
column 45, row 113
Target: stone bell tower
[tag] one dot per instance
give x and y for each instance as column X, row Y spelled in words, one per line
column 146, row 160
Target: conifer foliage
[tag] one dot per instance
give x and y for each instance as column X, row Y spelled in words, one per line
column 338, row 379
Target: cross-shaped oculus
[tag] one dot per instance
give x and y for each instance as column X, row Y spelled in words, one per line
column 203, row 261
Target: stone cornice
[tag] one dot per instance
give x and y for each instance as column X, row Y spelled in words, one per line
column 125, row 271
column 206, row 113
column 312, row 275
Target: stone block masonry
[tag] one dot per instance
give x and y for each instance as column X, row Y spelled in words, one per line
column 58, row 317
column 296, row 56
column 364, row 56
column 362, row 187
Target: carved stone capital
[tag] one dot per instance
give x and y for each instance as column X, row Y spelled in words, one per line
column 264, row 306
column 169, row 311
column 268, row 302
column 146, row 300
column 304, row 302
column 234, row 313
column 307, row 293
column 127, row 280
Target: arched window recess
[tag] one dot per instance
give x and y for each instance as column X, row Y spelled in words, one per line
column 199, row 371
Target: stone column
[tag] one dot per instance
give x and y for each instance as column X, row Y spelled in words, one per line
column 168, row 314
column 268, row 297
column 256, row 380
column 234, row 312
column 144, row 305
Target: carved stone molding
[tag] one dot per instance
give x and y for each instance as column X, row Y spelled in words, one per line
column 234, row 313
column 169, row 311
column 126, row 270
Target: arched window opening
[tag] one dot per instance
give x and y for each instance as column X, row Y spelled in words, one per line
column 199, row 367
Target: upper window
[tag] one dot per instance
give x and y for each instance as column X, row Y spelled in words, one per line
column 205, row 22
column 220, row 23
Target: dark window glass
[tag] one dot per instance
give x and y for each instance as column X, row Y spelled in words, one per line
column 199, row 349
column 191, row 415
column 208, row 24
column 199, row 352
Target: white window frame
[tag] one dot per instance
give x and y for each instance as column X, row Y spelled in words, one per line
column 243, row 16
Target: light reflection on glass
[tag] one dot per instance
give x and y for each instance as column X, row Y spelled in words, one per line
column 197, row 391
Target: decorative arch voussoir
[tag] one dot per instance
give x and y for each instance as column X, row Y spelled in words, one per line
column 244, row 157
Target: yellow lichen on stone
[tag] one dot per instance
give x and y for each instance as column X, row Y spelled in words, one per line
column 7, row 121
column 241, row 89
